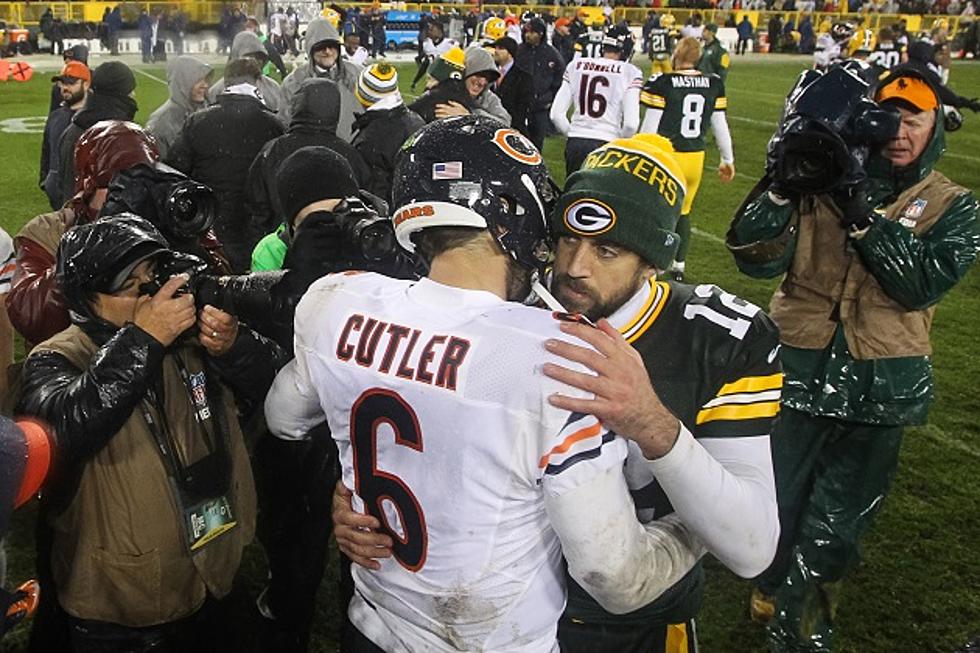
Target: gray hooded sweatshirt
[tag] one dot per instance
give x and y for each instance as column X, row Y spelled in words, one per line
column 343, row 73
column 247, row 43
column 486, row 103
column 166, row 122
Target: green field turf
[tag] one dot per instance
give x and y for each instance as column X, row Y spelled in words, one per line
column 918, row 587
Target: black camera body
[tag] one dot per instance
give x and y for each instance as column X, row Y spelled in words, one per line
column 369, row 233
column 829, row 127
column 181, row 208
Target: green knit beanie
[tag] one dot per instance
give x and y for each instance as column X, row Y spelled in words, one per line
column 628, row 192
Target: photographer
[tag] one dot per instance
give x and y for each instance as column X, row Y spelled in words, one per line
column 104, row 152
column 866, row 259
column 330, row 228
column 151, row 501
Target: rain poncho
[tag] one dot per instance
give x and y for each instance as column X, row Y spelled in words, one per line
column 183, row 73
column 911, row 270
column 247, row 43
column 34, row 303
column 854, row 315
column 344, row 73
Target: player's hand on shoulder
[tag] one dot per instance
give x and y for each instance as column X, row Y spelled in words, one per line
column 451, row 108
column 358, row 536
column 624, row 400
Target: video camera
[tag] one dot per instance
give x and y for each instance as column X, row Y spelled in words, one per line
column 829, row 127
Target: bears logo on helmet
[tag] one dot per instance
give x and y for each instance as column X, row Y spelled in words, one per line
column 517, row 146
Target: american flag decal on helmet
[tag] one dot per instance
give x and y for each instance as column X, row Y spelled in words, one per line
column 447, row 170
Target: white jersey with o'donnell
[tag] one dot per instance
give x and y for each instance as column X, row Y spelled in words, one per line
column 605, row 98
column 435, row 398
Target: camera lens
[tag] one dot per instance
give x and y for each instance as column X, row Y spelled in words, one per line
column 376, row 239
column 191, row 208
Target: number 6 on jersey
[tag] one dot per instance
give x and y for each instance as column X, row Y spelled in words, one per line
column 374, row 408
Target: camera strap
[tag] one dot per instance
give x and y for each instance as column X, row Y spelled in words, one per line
column 200, row 488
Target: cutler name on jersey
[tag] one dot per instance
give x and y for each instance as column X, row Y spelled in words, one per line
column 361, row 336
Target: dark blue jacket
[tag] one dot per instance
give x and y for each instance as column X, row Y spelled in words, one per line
column 546, row 67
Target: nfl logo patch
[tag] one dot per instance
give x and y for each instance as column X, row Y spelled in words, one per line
column 913, row 210
column 447, row 170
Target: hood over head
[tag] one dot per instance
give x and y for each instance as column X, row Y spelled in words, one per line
column 105, row 149
column 182, row 74
column 92, row 256
column 480, row 62
column 246, row 43
column 316, row 105
column 318, row 31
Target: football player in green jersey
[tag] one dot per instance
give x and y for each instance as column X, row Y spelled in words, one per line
column 681, row 105
column 707, row 357
column 661, row 45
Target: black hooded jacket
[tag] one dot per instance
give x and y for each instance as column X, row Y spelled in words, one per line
column 315, row 111
column 216, row 148
column 379, row 134
column 98, row 107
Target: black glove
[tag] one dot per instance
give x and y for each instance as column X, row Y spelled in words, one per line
column 316, row 247
column 852, row 201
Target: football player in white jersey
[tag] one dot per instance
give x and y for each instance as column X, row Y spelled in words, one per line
column 434, row 393
column 831, row 47
column 434, row 46
column 604, row 94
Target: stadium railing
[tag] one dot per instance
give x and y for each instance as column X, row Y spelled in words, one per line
column 209, row 13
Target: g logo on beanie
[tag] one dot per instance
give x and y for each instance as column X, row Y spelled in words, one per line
column 589, row 217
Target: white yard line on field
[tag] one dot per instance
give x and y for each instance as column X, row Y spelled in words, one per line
column 707, row 234
column 153, row 77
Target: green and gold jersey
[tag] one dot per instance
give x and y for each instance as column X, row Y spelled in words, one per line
column 687, row 99
column 662, row 41
column 713, row 361
column 887, row 54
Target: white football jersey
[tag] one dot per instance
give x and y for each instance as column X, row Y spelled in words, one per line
column 827, row 52
column 435, row 398
column 435, row 50
column 600, row 90
column 359, row 57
